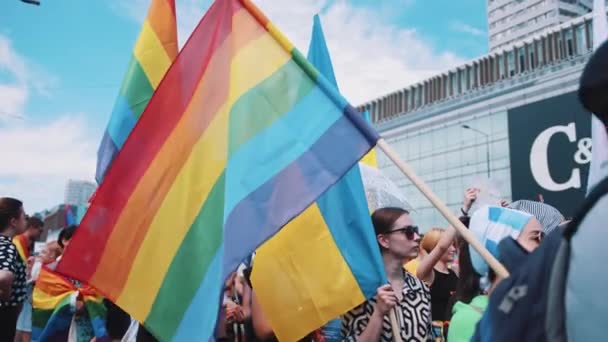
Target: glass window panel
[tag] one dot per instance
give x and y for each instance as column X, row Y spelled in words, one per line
column 426, row 143
column 590, row 29
column 521, row 53
column 560, row 46
column 467, row 134
column 532, row 56
column 440, row 139
column 442, row 194
column 453, row 135
column 423, row 92
column 484, row 125
column 580, row 38
column 425, row 166
column 511, row 63
column 471, row 77
column 453, row 169
column 500, row 149
column 454, row 195
column 500, row 163
column 414, row 146
column 569, row 46
column 501, row 66
column 463, row 81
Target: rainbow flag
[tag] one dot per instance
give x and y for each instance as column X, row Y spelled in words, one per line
column 326, row 261
column 154, row 52
column 54, row 304
column 240, row 137
column 23, row 246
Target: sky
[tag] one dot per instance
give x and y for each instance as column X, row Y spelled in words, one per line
column 62, row 63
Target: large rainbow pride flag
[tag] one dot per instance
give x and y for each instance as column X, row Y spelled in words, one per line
column 242, row 135
column 154, row 52
column 54, row 306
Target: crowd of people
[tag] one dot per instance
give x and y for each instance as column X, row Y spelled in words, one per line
column 438, row 286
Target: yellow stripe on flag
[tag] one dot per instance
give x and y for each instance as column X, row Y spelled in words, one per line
column 151, row 55
column 295, row 256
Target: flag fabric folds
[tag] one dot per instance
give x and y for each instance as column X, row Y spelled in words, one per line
column 54, row 306
column 22, row 243
column 326, row 261
column 241, row 136
column 153, row 53
column 370, row 158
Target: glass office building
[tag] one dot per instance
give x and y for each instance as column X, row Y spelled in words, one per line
column 512, row 114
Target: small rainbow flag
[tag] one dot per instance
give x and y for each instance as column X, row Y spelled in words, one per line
column 154, row 52
column 242, row 135
column 54, row 306
column 23, row 246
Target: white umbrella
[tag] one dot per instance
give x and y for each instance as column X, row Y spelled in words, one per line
column 380, row 191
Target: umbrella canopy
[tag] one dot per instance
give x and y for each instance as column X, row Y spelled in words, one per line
column 380, row 191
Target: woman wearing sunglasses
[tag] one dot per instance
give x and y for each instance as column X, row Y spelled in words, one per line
column 398, row 240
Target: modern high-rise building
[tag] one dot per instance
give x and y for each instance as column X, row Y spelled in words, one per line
column 511, row 116
column 510, row 21
column 78, row 192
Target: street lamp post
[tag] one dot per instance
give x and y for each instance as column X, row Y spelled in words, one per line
column 487, row 145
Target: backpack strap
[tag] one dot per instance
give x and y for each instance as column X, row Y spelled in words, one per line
column 555, row 319
column 595, row 195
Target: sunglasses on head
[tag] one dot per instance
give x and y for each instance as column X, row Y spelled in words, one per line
column 410, row 232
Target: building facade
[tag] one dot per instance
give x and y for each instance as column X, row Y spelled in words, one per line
column 512, row 114
column 78, row 192
column 510, row 21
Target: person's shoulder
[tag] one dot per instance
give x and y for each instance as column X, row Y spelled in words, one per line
column 413, row 283
column 7, row 246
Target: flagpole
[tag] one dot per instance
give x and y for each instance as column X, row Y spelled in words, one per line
column 500, row 270
column 395, row 326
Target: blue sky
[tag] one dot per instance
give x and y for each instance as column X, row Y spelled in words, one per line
column 61, row 65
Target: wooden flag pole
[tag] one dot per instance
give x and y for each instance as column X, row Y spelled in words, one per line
column 395, row 326
column 500, row 270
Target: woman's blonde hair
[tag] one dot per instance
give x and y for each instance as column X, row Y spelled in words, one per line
column 430, row 239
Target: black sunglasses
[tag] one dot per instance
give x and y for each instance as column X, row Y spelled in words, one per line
column 540, row 236
column 410, row 232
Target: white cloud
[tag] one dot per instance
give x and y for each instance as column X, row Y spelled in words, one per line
column 38, row 159
column 371, row 56
column 466, row 28
column 23, row 77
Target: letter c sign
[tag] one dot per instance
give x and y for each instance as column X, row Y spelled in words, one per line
column 539, row 159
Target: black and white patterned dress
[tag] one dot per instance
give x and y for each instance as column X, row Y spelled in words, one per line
column 11, row 261
column 415, row 319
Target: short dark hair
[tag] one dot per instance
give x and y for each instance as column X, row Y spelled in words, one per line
column 34, row 222
column 384, row 219
column 10, row 208
column 66, row 234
